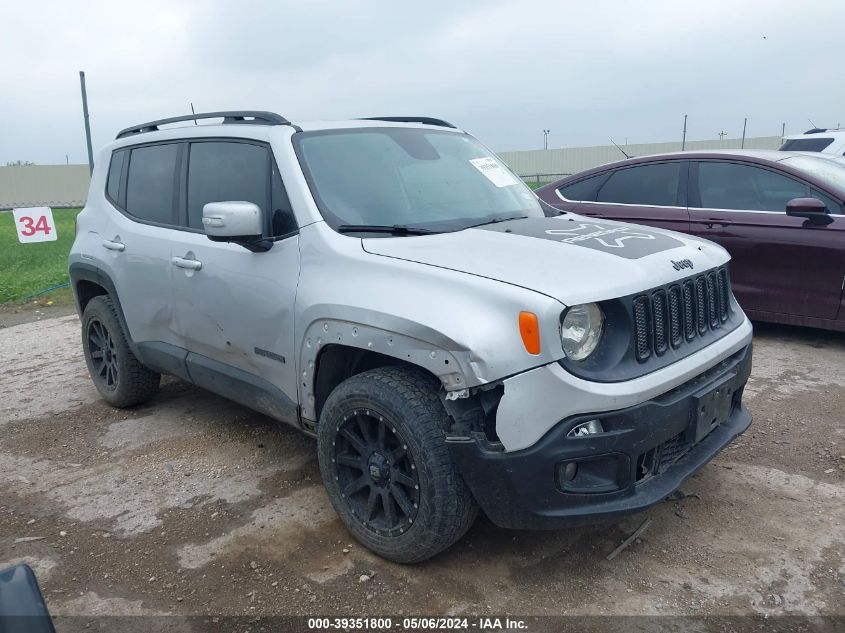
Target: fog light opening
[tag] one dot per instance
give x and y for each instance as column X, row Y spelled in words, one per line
column 569, row 471
column 591, row 427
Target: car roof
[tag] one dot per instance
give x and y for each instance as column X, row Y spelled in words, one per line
column 312, row 126
column 760, row 156
column 837, row 132
column 257, row 124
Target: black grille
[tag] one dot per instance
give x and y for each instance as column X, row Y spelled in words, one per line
column 689, row 309
column 669, row 316
column 659, row 459
column 642, row 327
column 661, row 322
column 712, row 301
column 675, row 319
column 671, row 451
column 701, row 304
column 724, row 294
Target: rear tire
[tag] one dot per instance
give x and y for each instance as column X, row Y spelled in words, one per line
column 386, row 466
column 118, row 375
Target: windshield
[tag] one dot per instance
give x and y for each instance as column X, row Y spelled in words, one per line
column 829, row 170
column 410, row 177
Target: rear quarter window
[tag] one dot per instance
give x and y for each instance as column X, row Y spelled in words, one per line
column 115, row 171
column 583, row 190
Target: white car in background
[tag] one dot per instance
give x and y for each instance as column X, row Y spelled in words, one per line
column 826, row 141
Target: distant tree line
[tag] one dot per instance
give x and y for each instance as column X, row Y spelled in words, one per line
column 20, row 163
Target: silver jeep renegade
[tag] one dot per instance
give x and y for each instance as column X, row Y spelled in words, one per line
column 390, row 287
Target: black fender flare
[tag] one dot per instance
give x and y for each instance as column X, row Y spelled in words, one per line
column 80, row 271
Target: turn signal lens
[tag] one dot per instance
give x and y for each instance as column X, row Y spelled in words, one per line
column 529, row 328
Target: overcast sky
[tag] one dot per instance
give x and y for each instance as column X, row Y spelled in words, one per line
column 587, row 70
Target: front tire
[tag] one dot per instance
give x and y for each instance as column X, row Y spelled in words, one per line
column 118, row 375
column 386, row 466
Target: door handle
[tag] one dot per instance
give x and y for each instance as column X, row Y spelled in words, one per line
column 714, row 222
column 114, row 246
column 188, row 264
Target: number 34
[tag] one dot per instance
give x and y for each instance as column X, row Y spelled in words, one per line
column 31, row 227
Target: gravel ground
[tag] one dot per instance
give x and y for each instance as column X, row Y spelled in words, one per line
column 194, row 505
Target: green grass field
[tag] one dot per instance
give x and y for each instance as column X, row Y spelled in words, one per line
column 533, row 184
column 29, row 268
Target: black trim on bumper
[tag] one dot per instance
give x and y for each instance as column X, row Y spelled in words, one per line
column 646, row 452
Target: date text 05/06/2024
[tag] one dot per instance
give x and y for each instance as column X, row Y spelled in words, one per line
column 418, row 624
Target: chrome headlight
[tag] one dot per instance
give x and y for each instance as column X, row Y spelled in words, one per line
column 580, row 330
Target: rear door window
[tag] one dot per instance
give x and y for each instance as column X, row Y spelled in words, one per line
column 151, row 183
column 650, row 185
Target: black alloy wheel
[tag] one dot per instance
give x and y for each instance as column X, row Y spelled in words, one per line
column 121, row 379
column 104, row 356
column 381, row 444
column 376, row 475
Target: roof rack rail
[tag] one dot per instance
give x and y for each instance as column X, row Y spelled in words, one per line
column 229, row 118
column 427, row 120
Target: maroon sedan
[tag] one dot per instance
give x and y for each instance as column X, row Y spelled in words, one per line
column 779, row 214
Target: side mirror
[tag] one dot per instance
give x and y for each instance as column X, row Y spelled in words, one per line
column 235, row 221
column 812, row 209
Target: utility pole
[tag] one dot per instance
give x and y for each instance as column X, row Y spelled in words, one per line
column 722, row 135
column 782, row 131
column 87, row 124
column 546, row 139
column 684, row 139
column 744, row 124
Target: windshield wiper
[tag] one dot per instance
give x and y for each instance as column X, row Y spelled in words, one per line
column 496, row 221
column 395, row 229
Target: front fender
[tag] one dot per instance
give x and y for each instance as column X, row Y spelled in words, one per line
column 460, row 327
column 395, row 337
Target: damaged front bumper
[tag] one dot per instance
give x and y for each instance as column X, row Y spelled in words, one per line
column 643, row 453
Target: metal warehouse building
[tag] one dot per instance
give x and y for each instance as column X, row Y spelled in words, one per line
column 67, row 185
column 544, row 165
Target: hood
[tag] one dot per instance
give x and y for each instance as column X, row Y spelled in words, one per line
column 570, row 258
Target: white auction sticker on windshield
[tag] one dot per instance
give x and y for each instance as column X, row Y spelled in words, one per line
column 495, row 173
